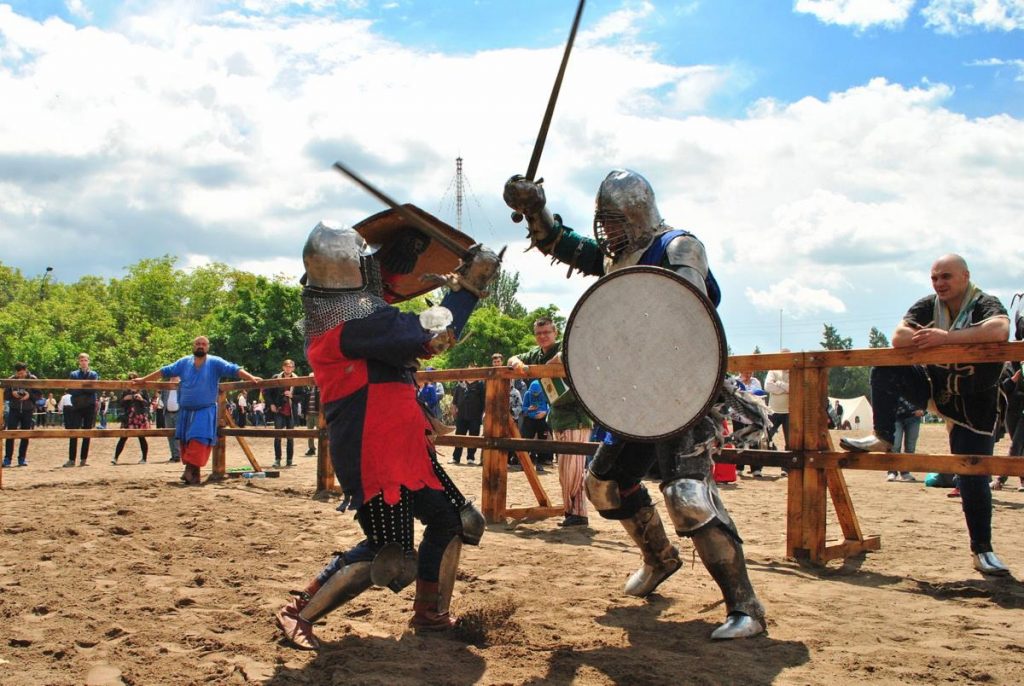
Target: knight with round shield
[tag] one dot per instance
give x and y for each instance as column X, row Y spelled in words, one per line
column 629, row 231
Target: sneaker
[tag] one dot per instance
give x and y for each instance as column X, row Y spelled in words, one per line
column 277, row 464
column 22, row 463
column 955, row 493
column 756, row 473
column 907, row 477
column 454, row 461
column 1020, row 489
column 69, row 463
column 113, row 461
column 174, row 459
column 310, row 453
column 540, row 469
column 891, row 476
column 996, row 485
column 288, row 464
column 574, row 520
column 142, row 461
column 6, row 463
column 471, row 461
column 82, row 463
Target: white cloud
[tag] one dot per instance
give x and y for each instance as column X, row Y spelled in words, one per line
column 798, row 300
column 860, row 14
column 78, row 8
column 956, row 16
column 1014, row 65
column 212, row 138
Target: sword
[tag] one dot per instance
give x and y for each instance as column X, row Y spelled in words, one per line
column 545, row 124
column 432, row 231
column 468, row 257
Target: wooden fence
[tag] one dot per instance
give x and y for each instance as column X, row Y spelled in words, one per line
column 815, row 467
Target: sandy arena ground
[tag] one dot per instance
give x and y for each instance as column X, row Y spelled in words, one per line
column 117, row 575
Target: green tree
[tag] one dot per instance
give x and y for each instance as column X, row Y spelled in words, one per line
column 843, row 382
column 259, row 330
column 877, row 339
column 503, row 291
column 488, row 331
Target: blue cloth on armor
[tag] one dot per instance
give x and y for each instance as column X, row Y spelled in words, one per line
column 654, row 255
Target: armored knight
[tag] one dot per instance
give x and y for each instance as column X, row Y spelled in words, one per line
column 629, row 230
column 363, row 352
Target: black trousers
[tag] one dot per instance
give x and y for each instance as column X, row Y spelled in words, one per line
column 17, row 419
column 80, row 418
column 536, row 428
column 888, row 384
column 282, row 421
column 466, row 427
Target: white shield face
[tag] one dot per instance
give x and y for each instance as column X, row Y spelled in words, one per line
column 645, row 353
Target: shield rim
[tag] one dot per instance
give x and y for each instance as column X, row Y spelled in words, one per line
column 719, row 334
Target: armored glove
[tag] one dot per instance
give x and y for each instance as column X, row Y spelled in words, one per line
column 527, row 198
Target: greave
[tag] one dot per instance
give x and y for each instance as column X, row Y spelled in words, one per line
column 722, row 555
column 660, row 557
column 344, row 585
column 433, row 598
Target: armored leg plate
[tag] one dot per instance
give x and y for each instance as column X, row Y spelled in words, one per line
column 344, row 585
column 660, row 557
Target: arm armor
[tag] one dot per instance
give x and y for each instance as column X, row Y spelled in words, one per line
column 685, row 256
column 579, row 252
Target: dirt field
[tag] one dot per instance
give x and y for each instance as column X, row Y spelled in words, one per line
column 116, row 575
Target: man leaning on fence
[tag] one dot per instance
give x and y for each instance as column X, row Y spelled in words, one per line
column 197, row 417
column 965, row 395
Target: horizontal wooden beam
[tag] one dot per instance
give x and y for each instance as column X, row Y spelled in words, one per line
column 520, row 444
column 849, row 548
column 84, row 433
column 916, row 462
column 762, row 458
column 533, row 512
column 535, row 371
column 271, row 433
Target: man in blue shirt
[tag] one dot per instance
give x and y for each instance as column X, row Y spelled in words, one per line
column 196, row 430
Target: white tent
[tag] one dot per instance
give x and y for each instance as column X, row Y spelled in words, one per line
column 856, row 407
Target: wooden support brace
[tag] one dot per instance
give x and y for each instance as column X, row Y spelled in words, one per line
column 244, row 443
column 529, row 469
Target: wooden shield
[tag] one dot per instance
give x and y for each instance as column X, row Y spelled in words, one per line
column 645, row 353
column 382, row 227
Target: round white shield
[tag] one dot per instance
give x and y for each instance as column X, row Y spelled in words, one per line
column 645, row 353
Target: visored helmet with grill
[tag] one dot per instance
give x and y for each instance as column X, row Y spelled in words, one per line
column 626, row 217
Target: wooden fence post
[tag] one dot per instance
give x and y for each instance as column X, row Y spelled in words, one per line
column 495, row 465
column 325, row 477
column 220, row 462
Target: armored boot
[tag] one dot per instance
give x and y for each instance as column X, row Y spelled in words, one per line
column 697, row 511
column 660, row 557
column 298, row 631
column 722, row 555
column 297, row 618
column 434, row 598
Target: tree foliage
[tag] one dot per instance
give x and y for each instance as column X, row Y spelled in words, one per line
column 149, row 316
column 843, row 382
column 877, row 339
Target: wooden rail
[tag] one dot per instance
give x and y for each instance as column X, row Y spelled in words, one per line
column 815, row 467
column 226, row 427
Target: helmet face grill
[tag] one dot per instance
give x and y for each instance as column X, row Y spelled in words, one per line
column 611, row 231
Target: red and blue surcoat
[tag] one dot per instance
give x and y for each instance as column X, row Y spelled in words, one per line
column 378, row 431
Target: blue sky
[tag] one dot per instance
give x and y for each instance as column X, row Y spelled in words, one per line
column 826, row 151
